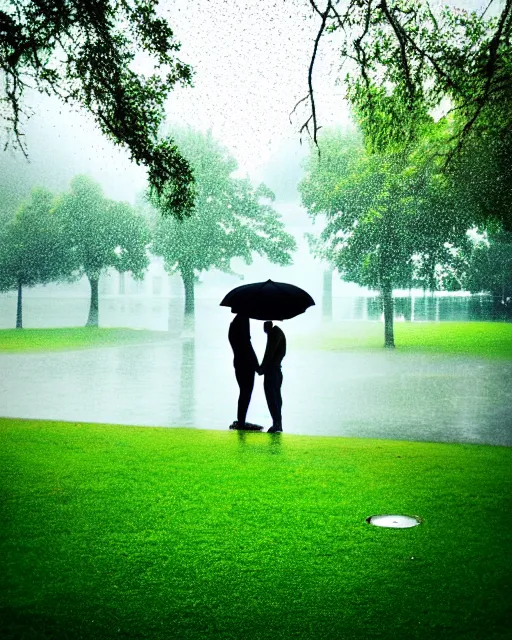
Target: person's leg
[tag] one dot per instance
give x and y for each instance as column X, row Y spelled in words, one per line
column 269, row 395
column 279, row 398
column 272, row 386
column 245, row 379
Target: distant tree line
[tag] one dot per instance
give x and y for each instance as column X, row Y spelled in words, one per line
column 62, row 237
column 392, row 220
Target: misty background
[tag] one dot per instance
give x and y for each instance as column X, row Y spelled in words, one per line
column 250, row 61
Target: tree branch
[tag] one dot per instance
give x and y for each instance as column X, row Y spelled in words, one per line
column 399, row 32
column 311, row 96
column 295, row 107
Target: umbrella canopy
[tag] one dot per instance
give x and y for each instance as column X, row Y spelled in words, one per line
column 268, row 300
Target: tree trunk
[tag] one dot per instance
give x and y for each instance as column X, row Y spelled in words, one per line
column 92, row 320
column 497, row 305
column 327, row 295
column 187, row 382
column 387, row 299
column 122, row 284
column 188, row 320
column 19, row 308
column 408, row 309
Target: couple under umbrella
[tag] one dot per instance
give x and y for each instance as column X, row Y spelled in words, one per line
column 262, row 301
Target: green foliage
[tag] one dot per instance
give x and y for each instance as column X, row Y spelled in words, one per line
column 409, row 58
column 389, row 217
column 33, row 250
column 102, row 233
column 84, row 53
column 381, row 116
column 171, row 180
column 230, row 220
column 490, row 268
column 481, row 177
column 11, row 197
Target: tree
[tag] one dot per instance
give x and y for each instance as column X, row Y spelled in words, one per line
column 231, row 219
column 490, row 270
column 406, row 59
column 33, row 248
column 101, row 233
column 481, row 177
column 84, row 53
column 8, row 205
column 386, row 214
column 15, row 187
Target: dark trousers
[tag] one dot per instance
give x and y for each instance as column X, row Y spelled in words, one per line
column 245, row 379
column 272, row 381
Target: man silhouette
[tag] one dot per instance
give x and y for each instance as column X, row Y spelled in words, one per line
column 273, row 376
column 246, row 365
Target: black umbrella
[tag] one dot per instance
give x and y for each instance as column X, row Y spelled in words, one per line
column 268, row 300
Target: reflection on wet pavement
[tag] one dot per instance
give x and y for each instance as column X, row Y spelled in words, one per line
column 191, row 382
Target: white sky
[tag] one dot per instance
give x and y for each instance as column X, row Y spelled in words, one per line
column 251, row 70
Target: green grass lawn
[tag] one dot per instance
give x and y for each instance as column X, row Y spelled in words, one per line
column 19, row 340
column 125, row 532
column 487, row 339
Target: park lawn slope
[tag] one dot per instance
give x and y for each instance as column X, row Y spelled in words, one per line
column 485, row 339
column 130, row 532
column 20, row 340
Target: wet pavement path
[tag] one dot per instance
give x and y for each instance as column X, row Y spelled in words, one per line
column 378, row 394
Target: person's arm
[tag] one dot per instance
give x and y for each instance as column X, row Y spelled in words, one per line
column 254, row 359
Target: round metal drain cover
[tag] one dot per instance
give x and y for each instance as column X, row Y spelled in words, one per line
column 394, row 522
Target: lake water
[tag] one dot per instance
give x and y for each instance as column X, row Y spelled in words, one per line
column 190, row 382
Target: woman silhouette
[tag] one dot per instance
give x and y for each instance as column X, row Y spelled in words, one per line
column 245, row 363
